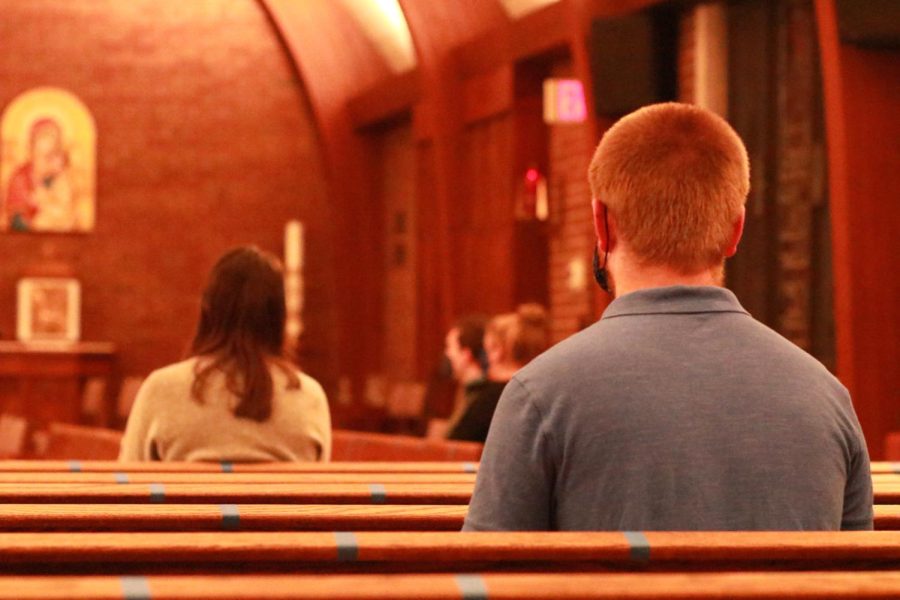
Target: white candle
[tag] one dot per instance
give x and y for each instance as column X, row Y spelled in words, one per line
column 293, row 245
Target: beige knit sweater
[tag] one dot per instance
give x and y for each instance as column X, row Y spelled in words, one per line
column 167, row 424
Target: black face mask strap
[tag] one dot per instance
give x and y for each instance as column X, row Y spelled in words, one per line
column 600, row 270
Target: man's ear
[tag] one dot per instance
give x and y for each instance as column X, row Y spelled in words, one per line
column 602, row 226
column 736, row 232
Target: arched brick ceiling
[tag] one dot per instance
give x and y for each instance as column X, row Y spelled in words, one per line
column 334, row 56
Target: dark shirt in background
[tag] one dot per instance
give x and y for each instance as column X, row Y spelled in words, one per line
column 481, row 401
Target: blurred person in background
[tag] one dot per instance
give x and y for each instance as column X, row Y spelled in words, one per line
column 511, row 340
column 237, row 397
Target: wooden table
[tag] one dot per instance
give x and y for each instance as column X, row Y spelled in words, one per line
column 44, row 381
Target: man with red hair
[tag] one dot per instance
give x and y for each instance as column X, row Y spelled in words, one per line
column 677, row 410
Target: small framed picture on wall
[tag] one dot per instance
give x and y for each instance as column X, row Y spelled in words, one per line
column 49, row 309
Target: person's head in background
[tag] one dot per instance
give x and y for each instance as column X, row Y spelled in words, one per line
column 241, row 329
column 464, row 348
column 512, row 340
column 669, row 183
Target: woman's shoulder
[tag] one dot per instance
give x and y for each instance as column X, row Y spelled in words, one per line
column 308, row 385
column 175, row 374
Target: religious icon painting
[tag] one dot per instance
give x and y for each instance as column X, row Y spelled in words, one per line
column 47, row 163
column 49, row 309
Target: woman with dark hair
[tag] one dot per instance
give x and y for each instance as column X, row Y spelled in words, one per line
column 237, row 397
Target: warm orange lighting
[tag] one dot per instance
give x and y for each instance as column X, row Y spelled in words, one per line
column 384, row 23
column 520, row 8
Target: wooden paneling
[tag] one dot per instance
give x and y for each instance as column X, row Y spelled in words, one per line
column 482, row 223
column 397, row 189
column 437, row 28
column 862, row 93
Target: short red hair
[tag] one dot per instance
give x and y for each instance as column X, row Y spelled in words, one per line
column 674, row 176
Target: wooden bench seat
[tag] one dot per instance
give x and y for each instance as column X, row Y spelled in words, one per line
column 241, row 478
column 757, row 585
column 882, row 467
column 139, row 476
column 886, row 467
column 111, row 466
column 214, row 493
column 255, row 517
column 299, row 493
column 887, row 493
column 219, row 517
column 887, row 516
column 883, row 480
column 367, row 552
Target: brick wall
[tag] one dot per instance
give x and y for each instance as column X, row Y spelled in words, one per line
column 572, row 231
column 686, row 56
column 204, row 141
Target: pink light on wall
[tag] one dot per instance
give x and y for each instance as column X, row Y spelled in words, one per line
column 564, row 101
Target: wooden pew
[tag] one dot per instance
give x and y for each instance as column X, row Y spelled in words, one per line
column 280, row 467
column 209, row 493
column 410, row 552
column 298, row 493
column 79, row 441
column 445, row 586
column 887, row 517
column 106, row 466
column 261, row 517
column 224, row 517
column 67, row 440
column 881, row 480
column 364, row 446
column 121, row 477
column 885, row 467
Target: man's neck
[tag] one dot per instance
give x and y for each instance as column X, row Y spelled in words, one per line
column 631, row 277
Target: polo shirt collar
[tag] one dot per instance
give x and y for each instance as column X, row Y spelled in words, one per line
column 676, row 299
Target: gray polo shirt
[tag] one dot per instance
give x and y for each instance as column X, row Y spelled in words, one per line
column 675, row 411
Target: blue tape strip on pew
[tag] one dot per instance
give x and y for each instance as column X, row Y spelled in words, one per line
column 640, row 546
column 231, row 518
column 157, row 493
column 347, row 547
column 135, row 588
column 471, row 587
column 379, row 493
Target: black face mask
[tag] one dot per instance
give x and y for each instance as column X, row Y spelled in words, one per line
column 600, row 272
